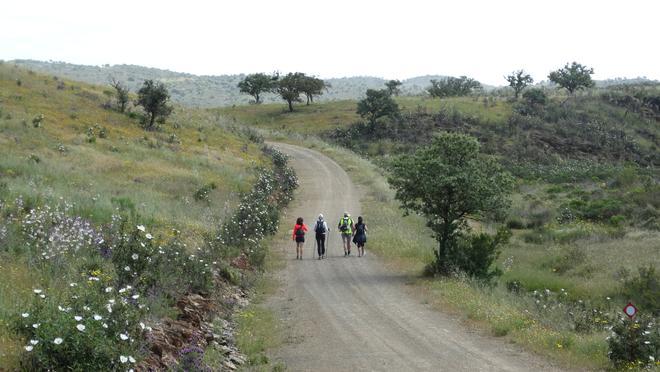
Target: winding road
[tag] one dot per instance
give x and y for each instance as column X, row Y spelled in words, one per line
column 350, row 314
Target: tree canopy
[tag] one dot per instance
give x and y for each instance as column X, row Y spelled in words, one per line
column 446, row 182
column 393, row 87
column 518, row 80
column 121, row 94
column 154, row 98
column 573, row 77
column 290, row 87
column 312, row 86
column 256, row 84
column 377, row 104
column 452, row 87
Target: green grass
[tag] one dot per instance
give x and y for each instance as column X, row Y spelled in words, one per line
column 322, row 117
column 153, row 174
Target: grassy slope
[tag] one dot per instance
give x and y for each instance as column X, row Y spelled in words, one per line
column 129, row 166
column 319, row 118
column 592, row 277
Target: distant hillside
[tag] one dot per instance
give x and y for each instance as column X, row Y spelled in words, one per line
column 210, row 91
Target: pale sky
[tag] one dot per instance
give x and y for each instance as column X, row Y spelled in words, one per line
column 483, row 39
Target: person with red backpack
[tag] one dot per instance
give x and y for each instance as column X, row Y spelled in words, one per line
column 321, row 230
column 299, row 237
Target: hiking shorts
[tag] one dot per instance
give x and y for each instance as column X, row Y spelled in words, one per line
column 300, row 239
column 346, row 238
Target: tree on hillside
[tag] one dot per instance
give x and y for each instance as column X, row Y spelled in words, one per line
column 154, row 98
column 312, row 86
column 256, row 84
column 290, row 87
column 518, row 80
column 377, row 104
column 121, row 94
column 393, row 87
column 447, row 182
column 573, row 77
column 452, row 87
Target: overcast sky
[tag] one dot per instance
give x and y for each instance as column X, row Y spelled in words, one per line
column 335, row 38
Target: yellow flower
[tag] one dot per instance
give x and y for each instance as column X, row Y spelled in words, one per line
column 559, row 346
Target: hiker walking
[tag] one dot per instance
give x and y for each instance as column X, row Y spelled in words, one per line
column 345, row 227
column 321, row 230
column 360, row 237
column 299, row 237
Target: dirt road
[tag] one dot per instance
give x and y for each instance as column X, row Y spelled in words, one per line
column 350, row 314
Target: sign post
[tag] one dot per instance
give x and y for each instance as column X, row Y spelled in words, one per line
column 630, row 310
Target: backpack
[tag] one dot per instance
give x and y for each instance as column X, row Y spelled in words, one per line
column 300, row 232
column 359, row 228
column 343, row 224
column 320, row 227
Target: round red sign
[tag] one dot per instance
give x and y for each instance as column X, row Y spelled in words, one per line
column 630, row 310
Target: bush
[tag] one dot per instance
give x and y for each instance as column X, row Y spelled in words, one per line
column 202, row 194
column 634, row 343
column 91, row 326
column 644, row 289
column 475, row 254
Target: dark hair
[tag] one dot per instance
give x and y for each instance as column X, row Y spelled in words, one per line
column 299, row 221
column 360, row 219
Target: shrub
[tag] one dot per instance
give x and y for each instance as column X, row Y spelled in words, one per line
column 91, row 326
column 38, row 120
column 644, row 289
column 634, row 343
column 475, row 254
column 202, row 194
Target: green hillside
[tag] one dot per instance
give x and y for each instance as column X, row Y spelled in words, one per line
column 90, row 203
column 585, row 213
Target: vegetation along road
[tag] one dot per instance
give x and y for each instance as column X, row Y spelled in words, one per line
column 344, row 314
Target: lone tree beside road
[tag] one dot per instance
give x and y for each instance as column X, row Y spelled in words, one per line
column 518, row 80
column 377, row 104
column 573, row 77
column 447, row 182
column 256, row 84
column 154, row 98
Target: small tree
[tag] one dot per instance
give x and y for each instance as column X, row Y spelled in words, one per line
column 256, row 84
column 518, row 80
column 290, row 87
column 312, row 86
column 393, row 87
column 377, row 104
column 447, row 182
column 573, row 77
column 452, row 87
column 154, row 97
column 121, row 94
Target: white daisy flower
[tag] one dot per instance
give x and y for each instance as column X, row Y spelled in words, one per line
column 25, row 315
column 149, row 236
column 34, row 342
column 80, row 327
column 36, row 325
column 37, row 291
column 123, row 359
column 97, row 317
column 131, row 359
column 58, row 341
column 108, row 289
column 127, row 268
column 124, row 337
column 29, row 348
column 140, row 227
column 77, row 318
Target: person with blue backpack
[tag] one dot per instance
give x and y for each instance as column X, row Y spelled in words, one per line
column 321, row 230
column 345, row 227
